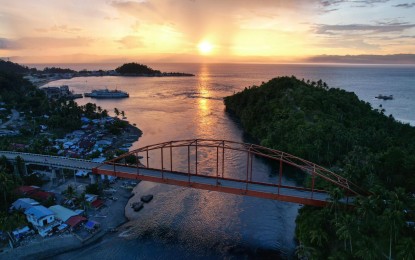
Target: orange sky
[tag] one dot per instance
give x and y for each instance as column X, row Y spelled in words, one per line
column 230, row 30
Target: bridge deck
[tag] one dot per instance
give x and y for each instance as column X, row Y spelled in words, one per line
column 240, row 187
column 54, row 161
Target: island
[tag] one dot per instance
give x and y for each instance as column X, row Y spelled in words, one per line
column 140, row 70
column 333, row 128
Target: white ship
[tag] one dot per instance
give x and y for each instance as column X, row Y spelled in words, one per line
column 105, row 93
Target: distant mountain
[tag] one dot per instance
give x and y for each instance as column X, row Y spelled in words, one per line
column 364, row 59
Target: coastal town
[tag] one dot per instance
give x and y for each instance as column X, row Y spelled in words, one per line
column 73, row 207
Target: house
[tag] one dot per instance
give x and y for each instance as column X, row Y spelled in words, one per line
column 62, row 213
column 23, row 204
column 75, row 221
column 42, row 195
column 42, row 219
column 26, row 190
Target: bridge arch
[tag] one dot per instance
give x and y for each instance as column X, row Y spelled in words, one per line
column 223, row 181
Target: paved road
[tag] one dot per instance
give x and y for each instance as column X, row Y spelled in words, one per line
column 54, row 161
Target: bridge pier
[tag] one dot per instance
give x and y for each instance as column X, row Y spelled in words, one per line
column 93, row 178
column 16, row 170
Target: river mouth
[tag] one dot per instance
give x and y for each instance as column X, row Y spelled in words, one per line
column 183, row 222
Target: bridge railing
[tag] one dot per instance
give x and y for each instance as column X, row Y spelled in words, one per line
column 312, row 169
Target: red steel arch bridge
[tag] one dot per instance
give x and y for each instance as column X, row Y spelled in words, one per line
column 211, row 165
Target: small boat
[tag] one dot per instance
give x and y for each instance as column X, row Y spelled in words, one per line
column 105, row 93
column 390, row 97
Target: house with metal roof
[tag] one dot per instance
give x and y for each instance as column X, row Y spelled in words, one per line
column 23, row 204
column 42, row 219
column 62, row 213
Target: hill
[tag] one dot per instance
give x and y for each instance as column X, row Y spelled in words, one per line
column 334, row 128
column 135, row 69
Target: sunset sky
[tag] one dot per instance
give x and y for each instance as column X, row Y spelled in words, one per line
column 208, row 30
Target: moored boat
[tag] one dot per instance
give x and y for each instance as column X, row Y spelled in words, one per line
column 105, row 93
column 384, row 97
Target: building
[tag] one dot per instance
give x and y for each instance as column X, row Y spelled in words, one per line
column 42, row 219
column 23, row 204
column 62, row 213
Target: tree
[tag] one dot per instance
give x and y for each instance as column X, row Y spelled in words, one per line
column 70, row 192
column 116, row 112
column 6, row 186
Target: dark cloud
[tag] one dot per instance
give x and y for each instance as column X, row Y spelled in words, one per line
column 406, row 5
column 354, row 3
column 39, row 43
column 362, row 28
column 6, row 44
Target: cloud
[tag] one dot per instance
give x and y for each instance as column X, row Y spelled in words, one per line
column 131, row 42
column 363, row 28
column 40, row 43
column 215, row 19
column 354, row 3
column 406, row 5
column 60, row 28
column 6, row 44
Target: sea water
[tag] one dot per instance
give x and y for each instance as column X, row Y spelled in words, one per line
column 188, row 223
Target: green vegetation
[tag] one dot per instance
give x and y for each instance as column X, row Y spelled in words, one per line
column 136, row 69
column 334, row 128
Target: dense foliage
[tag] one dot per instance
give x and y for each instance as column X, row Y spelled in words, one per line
column 57, row 70
column 136, row 69
column 8, row 66
column 334, row 128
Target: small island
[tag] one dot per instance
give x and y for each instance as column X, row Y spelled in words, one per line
column 140, row 70
column 48, row 74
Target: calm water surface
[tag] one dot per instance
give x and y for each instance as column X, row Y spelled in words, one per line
column 187, row 223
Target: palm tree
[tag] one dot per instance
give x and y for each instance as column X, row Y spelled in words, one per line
column 6, row 185
column 406, row 248
column 345, row 228
column 116, row 112
column 83, row 202
column 70, row 192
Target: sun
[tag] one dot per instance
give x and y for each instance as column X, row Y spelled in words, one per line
column 205, row 47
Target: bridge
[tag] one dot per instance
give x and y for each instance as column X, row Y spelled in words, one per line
column 211, row 165
column 204, row 164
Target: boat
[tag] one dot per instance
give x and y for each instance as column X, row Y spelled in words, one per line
column 390, row 97
column 106, row 93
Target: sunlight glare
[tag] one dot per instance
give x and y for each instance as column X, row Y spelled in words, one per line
column 205, row 47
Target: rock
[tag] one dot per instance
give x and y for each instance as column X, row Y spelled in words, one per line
column 147, row 198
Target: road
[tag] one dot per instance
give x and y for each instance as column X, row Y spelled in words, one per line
column 15, row 116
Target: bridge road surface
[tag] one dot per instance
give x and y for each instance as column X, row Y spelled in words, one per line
column 240, row 187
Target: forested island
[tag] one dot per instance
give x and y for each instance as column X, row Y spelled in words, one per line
column 335, row 129
column 136, row 69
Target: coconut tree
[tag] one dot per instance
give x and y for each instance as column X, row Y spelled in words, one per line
column 116, row 111
column 406, row 248
column 6, row 185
